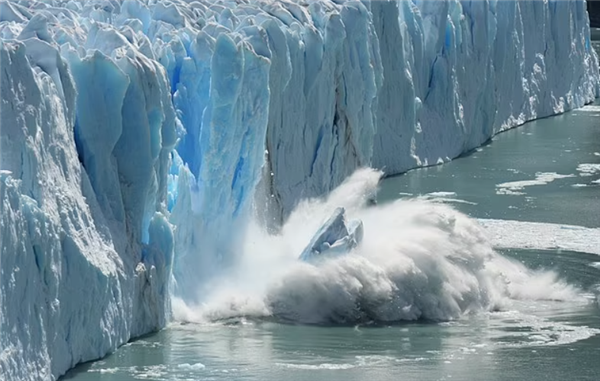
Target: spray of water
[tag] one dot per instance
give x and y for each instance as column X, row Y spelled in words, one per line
column 418, row 260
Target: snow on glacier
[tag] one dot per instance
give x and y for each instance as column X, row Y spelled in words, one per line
column 265, row 102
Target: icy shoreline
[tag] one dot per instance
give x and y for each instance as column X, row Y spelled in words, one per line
column 272, row 102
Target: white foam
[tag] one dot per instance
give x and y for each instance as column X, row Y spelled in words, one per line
column 538, row 235
column 108, row 370
column 515, row 187
column 317, row 366
column 444, row 197
column 418, row 259
column 527, row 330
column 449, row 200
column 138, row 372
column 150, row 372
column 587, row 169
column 192, row 367
column 360, row 362
column 441, row 194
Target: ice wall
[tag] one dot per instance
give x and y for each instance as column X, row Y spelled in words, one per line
column 474, row 69
column 271, row 102
column 86, row 248
column 441, row 78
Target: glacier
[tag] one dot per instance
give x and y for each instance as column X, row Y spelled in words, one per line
column 138, row 137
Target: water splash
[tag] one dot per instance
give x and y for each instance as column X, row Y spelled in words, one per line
column 418, row 260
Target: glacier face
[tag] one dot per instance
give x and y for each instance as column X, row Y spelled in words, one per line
column 390, row 84
column 86, row 245
column 265, row 103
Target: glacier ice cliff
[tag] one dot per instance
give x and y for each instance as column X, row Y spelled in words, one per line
column 139, row 136
column 86, row 244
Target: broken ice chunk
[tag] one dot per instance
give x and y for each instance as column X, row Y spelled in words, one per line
column 334, row 237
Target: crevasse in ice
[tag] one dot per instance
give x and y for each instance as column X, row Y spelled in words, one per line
column 137, row 136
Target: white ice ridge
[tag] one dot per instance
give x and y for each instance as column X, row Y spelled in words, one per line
column 537, row 235
column 272, row 101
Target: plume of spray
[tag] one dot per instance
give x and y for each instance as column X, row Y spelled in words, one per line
column 418, row 260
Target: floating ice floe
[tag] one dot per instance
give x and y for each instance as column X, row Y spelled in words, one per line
column 588, row 169
column 538, row 235
column 516, row 187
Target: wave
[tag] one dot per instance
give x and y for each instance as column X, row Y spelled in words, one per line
column 418, row 260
